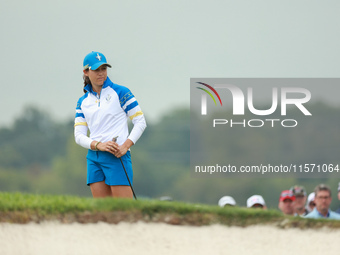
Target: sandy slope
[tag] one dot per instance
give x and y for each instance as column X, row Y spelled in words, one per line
column 158, row 238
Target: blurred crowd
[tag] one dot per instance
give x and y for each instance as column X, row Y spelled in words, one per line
column 296, row 202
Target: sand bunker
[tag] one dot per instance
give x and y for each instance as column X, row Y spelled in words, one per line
column 159, row 238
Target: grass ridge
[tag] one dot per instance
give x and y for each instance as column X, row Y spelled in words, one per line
column 24, row 208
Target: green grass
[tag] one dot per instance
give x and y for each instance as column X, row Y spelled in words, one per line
column 23, row 208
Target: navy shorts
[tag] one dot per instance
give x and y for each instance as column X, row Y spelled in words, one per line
column 103, row 166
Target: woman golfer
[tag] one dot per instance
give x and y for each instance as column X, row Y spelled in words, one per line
column 104, row 110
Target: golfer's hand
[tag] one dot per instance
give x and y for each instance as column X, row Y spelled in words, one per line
column 109, row 146
column 122, row 149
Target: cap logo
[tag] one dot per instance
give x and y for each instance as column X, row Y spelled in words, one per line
column 98, row 57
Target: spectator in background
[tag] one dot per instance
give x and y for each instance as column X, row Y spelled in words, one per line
column 323, row 199
column 338, row 211
column 286, row 202
column 299, row 203
column 226, row 201
column 310, row 202
column 256, row 201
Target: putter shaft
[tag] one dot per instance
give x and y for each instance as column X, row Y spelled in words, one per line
column 121, row 161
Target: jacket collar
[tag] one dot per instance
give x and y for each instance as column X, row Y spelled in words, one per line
column 107, row 83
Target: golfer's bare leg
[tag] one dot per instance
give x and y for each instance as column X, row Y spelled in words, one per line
column 100, row 189
column 122, row 191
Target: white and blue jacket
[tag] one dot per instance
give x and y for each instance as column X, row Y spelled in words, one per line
column 106, row 115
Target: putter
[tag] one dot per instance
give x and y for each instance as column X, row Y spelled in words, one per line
column 121, row 161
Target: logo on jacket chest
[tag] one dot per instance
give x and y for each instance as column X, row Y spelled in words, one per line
column 108, row 98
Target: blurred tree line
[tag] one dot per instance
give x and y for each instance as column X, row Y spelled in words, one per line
column 39, row 155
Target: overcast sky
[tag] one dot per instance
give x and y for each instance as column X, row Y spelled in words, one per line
column 155, row 47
